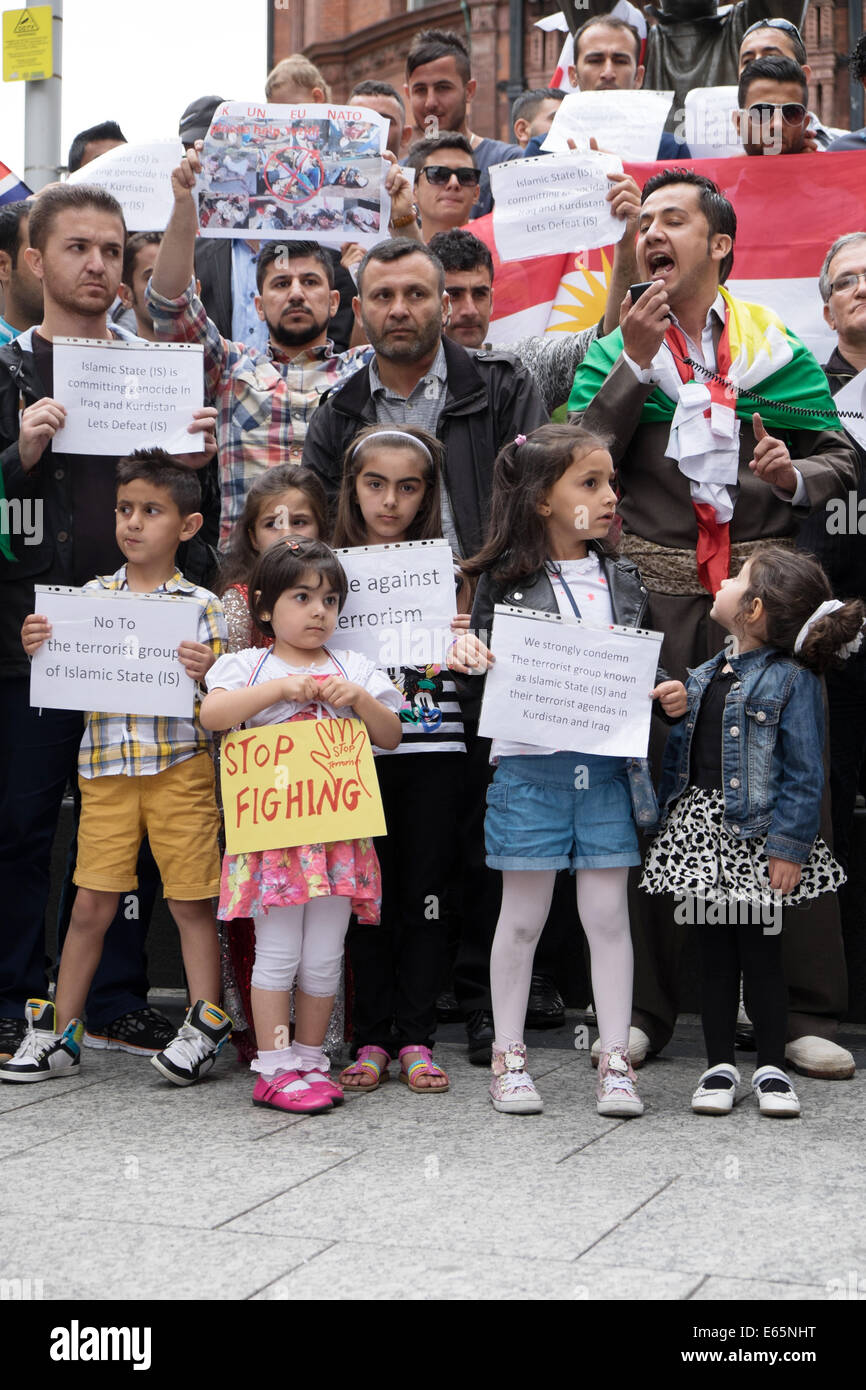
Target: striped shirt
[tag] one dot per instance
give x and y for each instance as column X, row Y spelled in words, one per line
column 137, row 745
column 430, row 712
column 264, row 399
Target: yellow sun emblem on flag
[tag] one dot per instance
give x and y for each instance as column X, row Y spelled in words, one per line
column 588, row 285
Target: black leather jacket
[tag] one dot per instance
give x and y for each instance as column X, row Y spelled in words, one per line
column 628, row 598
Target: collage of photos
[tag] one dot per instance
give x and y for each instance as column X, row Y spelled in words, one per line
column 317, row 174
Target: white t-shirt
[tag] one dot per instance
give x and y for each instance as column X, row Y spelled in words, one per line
column 592, row 596
column 233, row 672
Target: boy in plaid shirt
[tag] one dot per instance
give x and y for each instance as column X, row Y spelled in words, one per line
column 140, row 775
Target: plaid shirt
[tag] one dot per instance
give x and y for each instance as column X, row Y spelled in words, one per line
column 264, row 399
column 137, row 745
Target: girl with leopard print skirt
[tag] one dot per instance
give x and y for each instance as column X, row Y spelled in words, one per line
column 741, row 794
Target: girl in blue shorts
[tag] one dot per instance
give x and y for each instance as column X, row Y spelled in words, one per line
column 552, row 506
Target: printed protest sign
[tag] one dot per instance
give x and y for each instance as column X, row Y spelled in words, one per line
column 114, row 652
column 560, row 683
column 545, row 205
column 710, row 132
column 295, row 173
column 306, row 782
column 139, row 176
column 400, row 602
column 628, row 123
column 124, row 396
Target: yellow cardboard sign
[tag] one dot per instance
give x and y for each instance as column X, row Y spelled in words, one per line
column 307, row 782
column 28, row 50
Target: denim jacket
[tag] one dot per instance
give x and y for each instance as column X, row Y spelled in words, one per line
column 772, row 750
column 628, row 598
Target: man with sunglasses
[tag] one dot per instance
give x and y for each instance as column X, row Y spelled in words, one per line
column 773, row 117
column 446, row 182
column 778, row 38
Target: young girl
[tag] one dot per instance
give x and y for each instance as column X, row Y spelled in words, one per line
column 285, row 500
column 552, row 507
column 741, row 792
column 390, row 494
column 299, row 898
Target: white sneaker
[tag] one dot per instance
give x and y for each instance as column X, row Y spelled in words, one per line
column 710, row 1099
column 44, row 1054
column 820, row 1058
column 513, row 1090
column 775, row 1094
column 638, row 1047
column 616, row 1092
column 193, row 1052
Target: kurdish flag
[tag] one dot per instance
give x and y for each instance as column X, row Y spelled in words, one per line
column 790, row 209
column 764, row 355
column 11, row 187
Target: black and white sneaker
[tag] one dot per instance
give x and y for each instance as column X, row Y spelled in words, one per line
column 144, row 1032
column 44, row 1053
column 192, row 1053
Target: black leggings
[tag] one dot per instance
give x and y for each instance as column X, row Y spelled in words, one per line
column 726, row 951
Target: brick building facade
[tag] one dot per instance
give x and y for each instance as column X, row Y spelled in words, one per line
column 327, row 31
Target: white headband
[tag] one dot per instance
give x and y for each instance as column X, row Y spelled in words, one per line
column 407, row 439
column 832, row 605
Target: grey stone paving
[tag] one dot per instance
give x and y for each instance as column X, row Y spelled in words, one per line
column 110, row 1178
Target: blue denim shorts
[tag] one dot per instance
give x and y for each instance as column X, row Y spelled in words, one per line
column 560, row 811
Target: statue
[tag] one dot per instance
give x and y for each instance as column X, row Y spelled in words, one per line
column 691, row 44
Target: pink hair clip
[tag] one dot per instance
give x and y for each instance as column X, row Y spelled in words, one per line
column 292, row 542
column 520, row 439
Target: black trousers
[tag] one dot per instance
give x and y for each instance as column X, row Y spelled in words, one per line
column 400, row 966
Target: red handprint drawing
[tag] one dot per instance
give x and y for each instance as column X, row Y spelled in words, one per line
column 342, row 743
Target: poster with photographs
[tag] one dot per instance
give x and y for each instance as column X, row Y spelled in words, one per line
column 294, row 173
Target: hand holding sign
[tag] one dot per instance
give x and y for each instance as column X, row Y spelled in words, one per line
column 343, row 742
column 672, row 697
column 39, row 424
column 34, row 632
column 771, row 461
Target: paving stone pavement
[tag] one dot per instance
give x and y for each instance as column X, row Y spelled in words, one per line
column 110, row 1177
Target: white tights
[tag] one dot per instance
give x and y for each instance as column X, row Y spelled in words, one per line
column 305, row 941
column 603, row 907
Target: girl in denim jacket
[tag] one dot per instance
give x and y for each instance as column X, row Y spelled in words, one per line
column 552, row 506
column 741, row 793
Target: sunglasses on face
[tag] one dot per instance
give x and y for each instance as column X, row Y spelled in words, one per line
column 442, row 173
column 793, row 112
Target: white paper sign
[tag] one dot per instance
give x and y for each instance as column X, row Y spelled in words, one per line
column 400, row 603
column 560, row 683
column 629, row 123
column 554, row 203
column 139, row 176
column 124, row 396
column 710, row 132
column 292, row 173
column 853, row 397
column 114, row 652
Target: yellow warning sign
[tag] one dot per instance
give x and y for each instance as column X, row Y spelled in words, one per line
column 28, row 54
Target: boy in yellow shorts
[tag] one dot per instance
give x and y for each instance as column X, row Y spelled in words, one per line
column 140, row 775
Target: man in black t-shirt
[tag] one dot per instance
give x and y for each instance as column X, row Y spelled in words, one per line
column 61, row 513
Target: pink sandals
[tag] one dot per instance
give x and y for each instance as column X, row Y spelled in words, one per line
column 425, row 1066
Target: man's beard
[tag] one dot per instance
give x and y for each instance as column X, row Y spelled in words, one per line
column 424, row 340
column 88, row 308
column 295, row 337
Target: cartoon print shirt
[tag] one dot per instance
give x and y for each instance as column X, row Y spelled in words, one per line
column 430, row 711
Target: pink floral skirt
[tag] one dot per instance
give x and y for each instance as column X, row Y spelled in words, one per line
column 252, row 883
